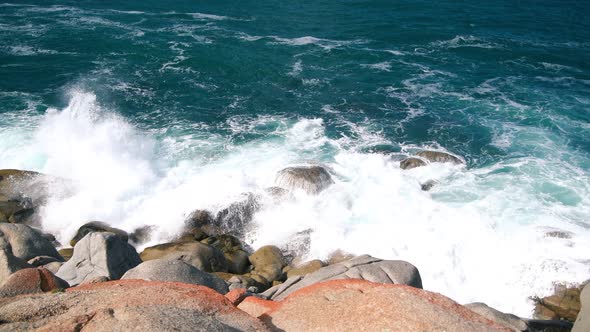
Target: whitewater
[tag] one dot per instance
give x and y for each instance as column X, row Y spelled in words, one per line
column 179, row 109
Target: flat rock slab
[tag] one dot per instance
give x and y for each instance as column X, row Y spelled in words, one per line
column 358, row 305
column 362, row 267
column 126, row 305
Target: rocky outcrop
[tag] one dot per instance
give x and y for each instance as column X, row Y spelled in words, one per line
column 99, row 254
column 311, row 179
column 127, row 305
column 354, row 305
column 30, row 281
column 582, row 323
column 508, row 320
column 25, row 242
column 439, row 157
column 204, row 257
column 362, row 267
column 175, row 270
column 97, row 226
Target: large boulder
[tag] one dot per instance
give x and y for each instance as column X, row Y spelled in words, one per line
column 311, row 179
column 126, row 305
column 31, row 280
column 582, row 323
column 439, row 157
column 97, row 226
column 508, row 320
column 25, row 242
column 10, row 264
column 362, row 267
column 358, row 305
column 175, row 270
column 204, row 257
column 99, row 254
column 268, row 262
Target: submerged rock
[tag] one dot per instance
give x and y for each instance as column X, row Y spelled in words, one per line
column 97, row 226
column 127, row 305
column 358, row 305
column 99, row 254
column 311, row 179
column 439, row 157
column 362, row 267
column 204, row 257
column 175, row 270
column 426, row 186
column 411, row 162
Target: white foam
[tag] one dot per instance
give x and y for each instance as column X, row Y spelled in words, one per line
column 478, row 235
column 383, row 66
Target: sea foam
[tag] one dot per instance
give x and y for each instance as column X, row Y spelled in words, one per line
column 479, row 235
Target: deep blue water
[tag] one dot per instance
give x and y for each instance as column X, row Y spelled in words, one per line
column 170, row 95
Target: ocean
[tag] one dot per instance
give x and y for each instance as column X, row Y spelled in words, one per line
column 156, row 108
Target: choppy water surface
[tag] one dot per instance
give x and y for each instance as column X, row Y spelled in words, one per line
column 155, row 109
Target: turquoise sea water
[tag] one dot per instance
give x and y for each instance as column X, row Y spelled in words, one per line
column 157, row 108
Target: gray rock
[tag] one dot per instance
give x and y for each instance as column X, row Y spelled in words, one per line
column 99, row 254
column 204, row 257
column 175, row 270
column 10, row 264
column 582, row 323
column 509, row 320
column 439, row 157
column 25, row 242
column 311, row 179
column 411, row 162
column 362, row 267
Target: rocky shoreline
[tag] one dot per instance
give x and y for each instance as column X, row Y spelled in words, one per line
column 209, row 279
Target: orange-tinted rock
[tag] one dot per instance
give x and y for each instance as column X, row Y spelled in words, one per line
column 256, row 306
column 30, row 281
column 353, row 305
column 126, row 305
column 237, row 295
column 563, row 304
